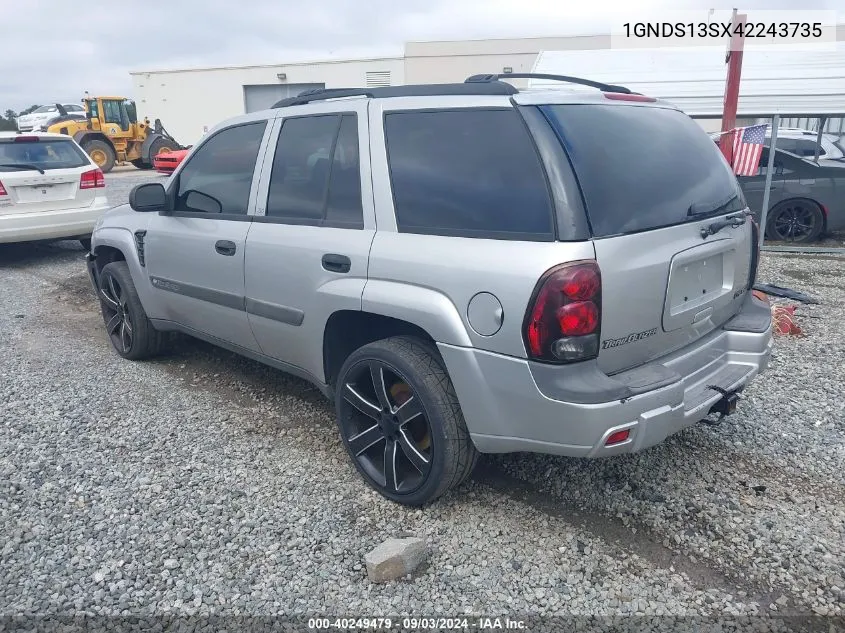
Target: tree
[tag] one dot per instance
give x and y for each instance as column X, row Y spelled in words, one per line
column 10, row 115
column 31, row 108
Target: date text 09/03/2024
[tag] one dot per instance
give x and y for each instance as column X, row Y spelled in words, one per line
column 417, row 624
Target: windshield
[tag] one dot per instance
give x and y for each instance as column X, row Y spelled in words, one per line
column 642, row 168
column 44, row 109
column 42, row 154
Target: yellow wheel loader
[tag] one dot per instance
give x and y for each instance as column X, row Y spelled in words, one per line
column 111, row 133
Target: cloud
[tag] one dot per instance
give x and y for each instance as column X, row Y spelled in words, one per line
column 61, row 50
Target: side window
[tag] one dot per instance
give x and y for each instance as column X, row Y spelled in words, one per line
column 316, row 178
column 469, row 172
column 111, row 112
column 221, row 170
column 343, row 207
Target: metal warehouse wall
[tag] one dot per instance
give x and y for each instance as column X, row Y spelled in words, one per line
column 187, row 101
column 438, row 62
column 773, row 79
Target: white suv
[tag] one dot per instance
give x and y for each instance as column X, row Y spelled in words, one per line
column 49, row 188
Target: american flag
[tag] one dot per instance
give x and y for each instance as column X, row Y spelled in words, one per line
column 748, row 146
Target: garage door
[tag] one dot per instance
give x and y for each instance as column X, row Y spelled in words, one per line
column 263, row 97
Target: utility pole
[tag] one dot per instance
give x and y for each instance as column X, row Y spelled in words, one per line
column 734, row 62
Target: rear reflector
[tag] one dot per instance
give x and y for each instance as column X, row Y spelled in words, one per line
column 26, row 139
column 621, row 96
column 3, row 191
column 618, row 437
column 93, row 179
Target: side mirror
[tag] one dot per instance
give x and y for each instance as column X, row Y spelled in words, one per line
column 202, row 202
column 148, row 196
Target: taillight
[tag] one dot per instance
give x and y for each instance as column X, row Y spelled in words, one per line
column 27, row 139
column 3, row 191
column 93, row 179
column 564, row 315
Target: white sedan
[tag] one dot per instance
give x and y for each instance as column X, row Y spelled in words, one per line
column 38, row 117
column 49, row 189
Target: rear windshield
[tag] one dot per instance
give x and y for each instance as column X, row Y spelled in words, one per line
column 643, row 168
column 42, row 154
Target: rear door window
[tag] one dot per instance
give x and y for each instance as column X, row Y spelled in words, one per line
column 316, row 177
column 41, row 154
column 469, row 173
column 642, row 168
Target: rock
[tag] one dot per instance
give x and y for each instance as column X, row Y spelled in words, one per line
column 395, row 558
column 171, row 563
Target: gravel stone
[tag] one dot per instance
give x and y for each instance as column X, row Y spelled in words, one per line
column 204, row 484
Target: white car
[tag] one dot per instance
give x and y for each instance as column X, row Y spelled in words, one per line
column 27, row 122
column 49, row 189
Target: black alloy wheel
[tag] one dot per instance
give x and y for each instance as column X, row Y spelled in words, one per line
column 795, row 221
column 386, row 430
column 116, row 314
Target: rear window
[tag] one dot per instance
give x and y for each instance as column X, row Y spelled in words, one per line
column 42, row 154
column 468, row 173
column 643, row 168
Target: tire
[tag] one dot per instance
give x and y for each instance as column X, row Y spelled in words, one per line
column 86, row 243
column 140, row 163
column 123, row 314
column 158, row 145
column 799, row 221
column 419, row 424
column 101, row 153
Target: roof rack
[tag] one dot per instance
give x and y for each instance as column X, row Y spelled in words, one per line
column 572, row 80
column 418, row 90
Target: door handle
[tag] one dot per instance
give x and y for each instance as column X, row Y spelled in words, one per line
column 335, row 263
column 225, row 247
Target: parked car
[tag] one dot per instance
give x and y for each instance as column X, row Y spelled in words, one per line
column 462, row 268
column 807, row 199
column 168, row 162
column 27, row 122
column 49, row 188
column 804, row 142
column 43, row 127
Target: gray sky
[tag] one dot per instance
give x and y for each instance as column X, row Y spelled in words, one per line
column 58, row 50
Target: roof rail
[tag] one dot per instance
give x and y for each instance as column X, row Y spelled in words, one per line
column 414, row 90
column 572, row 80
column 320, row 94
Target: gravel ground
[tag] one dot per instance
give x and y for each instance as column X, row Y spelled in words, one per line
column 203, row 483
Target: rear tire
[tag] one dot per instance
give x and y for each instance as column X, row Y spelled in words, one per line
column 131, row 333
column 412, row 444
column 798, row 221
column 101, row 153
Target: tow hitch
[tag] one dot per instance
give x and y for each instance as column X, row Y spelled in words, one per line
column 725, row 406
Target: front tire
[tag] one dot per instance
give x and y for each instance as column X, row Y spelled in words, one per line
column 131, row 333
column 102, row 154
column 140, row 163
column 400, row 421
column 161, row 145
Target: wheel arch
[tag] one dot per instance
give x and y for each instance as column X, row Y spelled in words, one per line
column 88, row 135
column 348, row 330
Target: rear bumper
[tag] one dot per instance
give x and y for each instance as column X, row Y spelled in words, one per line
column 513, row 405
column 49, row 225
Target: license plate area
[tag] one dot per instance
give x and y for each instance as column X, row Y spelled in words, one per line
column 701, row 280
column 43, row 193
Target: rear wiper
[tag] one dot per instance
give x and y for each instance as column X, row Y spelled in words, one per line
column 698, row 209
column 23, row 166
column 734, row 219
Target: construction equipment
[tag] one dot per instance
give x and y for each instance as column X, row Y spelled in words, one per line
column 111, row 133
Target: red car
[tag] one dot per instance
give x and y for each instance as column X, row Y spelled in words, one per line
column 166, row 163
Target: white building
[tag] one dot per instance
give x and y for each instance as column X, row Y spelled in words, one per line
column 188, row 101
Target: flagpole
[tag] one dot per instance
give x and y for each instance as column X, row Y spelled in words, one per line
column 769, row 169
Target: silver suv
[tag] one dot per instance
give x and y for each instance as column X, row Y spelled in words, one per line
column 462, row 268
